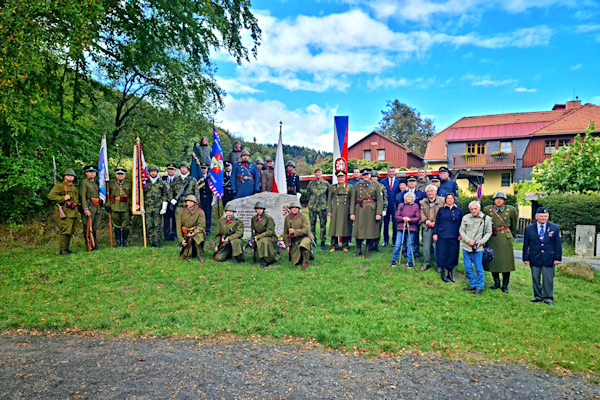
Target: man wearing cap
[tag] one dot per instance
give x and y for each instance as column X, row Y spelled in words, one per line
column 295, row 234
column 292, row 180
column 266, row 181
column 338, row 208
column 155, row 204
column 446, row 184
column 317, row 205
column 169, row 216
column 366, row 208
column 375, row 180
column 422, row 180
column 89, row 194
column 504, row 230
column 264, row 238
column 542, row 252
column 260, row 165
column 245, row 180
column 391, row 184
column 236, row 153
column 205, row 195
column 66, row 197
column 227, row 192
column 120, row 206
column 182, row 186
column 190, row 229
column 229, row 237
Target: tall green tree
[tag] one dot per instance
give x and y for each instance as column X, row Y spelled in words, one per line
column 404, row 125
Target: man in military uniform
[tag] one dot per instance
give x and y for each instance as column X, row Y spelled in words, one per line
column 292, row 180
column 169, row 216
column 205, row 195
column 66, row 197
column 504, row 230
column 229, row 237
column 182, row 186
column 422, row 180
column 227, row 192
column 317, row 205
column 375, row 181
column 447, row 185
column 366, row 209
column 89, row 194
column 190, row 229
column 260, row 165
column 263, row 236
column 120, row 199
column 155, row 204
column 245, row 174
column 266, row 181
column 338, row 208
column 296, row 236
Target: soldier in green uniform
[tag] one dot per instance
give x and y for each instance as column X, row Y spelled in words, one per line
column 263, row 236
column 295, row 233
column 366, row 209
column 89, row 194
column 338, row 208
column 190, row 229
column 185, row 180
column 317, row 205
column 120, row 198
column 504, row 228
column 229, row 237
column 155, row 203
column 66, row 197
column 375, row 180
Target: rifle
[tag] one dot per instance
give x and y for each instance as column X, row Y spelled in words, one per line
column 178, row 197
column 221, row 243
column 291, row 240
column 61, row 212
column 185, row 250
column 89, row 237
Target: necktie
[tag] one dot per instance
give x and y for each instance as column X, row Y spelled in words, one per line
column 542, row 233
column 391, row 183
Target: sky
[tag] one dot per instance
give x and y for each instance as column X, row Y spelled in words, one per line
column 448, row 59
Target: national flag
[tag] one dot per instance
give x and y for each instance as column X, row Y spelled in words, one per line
column 279, row 181
column 103, row 171
column 340, row 144
column 140, row 177
column 215, row 182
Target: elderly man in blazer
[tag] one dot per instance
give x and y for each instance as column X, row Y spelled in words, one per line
column 542, row 251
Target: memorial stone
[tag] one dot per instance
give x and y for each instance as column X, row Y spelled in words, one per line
column 585, row 236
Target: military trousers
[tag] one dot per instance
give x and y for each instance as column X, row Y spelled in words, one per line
column 96, row 218
column 67, row 226
column 322, row 215
column 233, row 248
column 153, row 226
column 121, row 219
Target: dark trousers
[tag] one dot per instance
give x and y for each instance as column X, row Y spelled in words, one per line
column 446, row 253
column 543, row 289
column 207, row 208
column 390, row 216
column 227, row 197
column 170, row 225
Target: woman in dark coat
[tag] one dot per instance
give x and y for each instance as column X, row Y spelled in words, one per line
column 445, row 233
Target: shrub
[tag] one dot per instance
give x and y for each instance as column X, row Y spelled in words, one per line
column 568, row 210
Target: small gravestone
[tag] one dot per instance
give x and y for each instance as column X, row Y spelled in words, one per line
column 585, row 236
column 578, row 268
column 278, row 206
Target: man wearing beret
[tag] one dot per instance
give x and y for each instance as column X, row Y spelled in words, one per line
column 155, row 203
column 120, row 199
column 542, row 251
column 447, row 185
column 169, row 216
column 182, row 186
column 66, row 197
column 89, row 194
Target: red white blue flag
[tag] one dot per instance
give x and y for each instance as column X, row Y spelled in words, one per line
column 340, row 145
column 140, row 177
column 103, row 170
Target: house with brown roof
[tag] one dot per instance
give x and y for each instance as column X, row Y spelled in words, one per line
column 506, row 147
column 377, row 147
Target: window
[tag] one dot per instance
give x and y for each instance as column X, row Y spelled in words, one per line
column 506, row 179
column 564, row 142
column 381, row 155
column 476, row 148
column 549, row 146
column 506, row 147
column 367, row 155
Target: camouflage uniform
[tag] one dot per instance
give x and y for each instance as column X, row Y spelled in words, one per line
column 178, row 184
column 66, row 225
column 120, row 199
column 155, row 194
column 233, row 230
column 317, row 207
column 89, row 193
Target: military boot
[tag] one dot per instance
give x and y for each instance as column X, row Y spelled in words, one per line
column 125, row 235
column 496, row 277
column 200, row 254
column 118, row 237
column 322, row 245
column 505, row 281
column 358, row 248
column 63, row 245
column 368, row 249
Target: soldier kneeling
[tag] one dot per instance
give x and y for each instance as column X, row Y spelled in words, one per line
column 229, row 237
column 190, row 229
column 264, row 237
column 296, row 230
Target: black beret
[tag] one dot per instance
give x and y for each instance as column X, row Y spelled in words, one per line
column 541, row 210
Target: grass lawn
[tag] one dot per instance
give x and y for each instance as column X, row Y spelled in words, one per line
column 340, row 301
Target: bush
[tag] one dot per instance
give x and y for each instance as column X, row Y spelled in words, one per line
column 569, row 210
column 463, row 201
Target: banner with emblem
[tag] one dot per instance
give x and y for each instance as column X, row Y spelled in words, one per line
column 103, row 170
column 140, row 177
column 215, row 181
column 340, row 144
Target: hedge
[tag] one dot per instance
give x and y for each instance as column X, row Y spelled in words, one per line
column 569, row 210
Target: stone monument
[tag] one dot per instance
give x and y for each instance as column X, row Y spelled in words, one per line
column 278, row 206
column 585, row 236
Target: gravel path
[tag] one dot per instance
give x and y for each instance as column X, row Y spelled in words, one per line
column 81, row 367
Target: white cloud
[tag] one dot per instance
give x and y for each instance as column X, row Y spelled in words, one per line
column 587, row 28
column 485, row 80
column 525, row 90
column 380, row 82
column 235, row 86
column 576, row 67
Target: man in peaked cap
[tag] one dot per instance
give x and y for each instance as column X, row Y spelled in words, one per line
column 366, row 210
column 246, row 177
column 155, row 203
column 120, row 206
column 227, row 177
column 91, row 207
column 266, row 181
column 66, row 197
column 338, row 208
column 447, row 185
column 169, row 216
column 190, row 229
column 205, row 195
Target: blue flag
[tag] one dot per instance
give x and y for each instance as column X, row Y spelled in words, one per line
column 195, row 170
column 215, row 182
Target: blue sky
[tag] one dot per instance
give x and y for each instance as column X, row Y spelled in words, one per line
column 446, row 58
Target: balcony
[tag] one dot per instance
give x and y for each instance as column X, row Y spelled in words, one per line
column 485, row 162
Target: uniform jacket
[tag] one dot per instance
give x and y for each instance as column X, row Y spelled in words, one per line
column 154, row 195
column 391, row 191
column 338, row 204
column 205, row 195
column 317, row 195
column 177, row 186
column 244, row 179
column 447, row 186
column 227, row 183
column 429, row 210
column 365, row 205
column 229, row 228
column 89, row 190
column 542, row 253
column 120, row 195
column 191, row 218
column 165, row 179
column 292, row 182
column 300, row 240
column 57, row 196
column 501, row 240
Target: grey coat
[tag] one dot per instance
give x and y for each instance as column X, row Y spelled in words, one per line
column 477, row 228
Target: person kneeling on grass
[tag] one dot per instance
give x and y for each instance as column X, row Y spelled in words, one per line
column 408, row 216
column 475, row 230
column 265, row 245
column 229, row 237
column 190, row 229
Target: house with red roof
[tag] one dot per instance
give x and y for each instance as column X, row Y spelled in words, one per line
column 377, row 147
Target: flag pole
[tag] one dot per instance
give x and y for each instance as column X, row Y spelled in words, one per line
column 218, row 204
column 139, row 178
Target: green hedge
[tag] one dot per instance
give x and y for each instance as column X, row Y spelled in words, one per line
column 569, row 210
column 463, row 201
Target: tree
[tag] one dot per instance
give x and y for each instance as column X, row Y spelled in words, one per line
column 405, row 125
